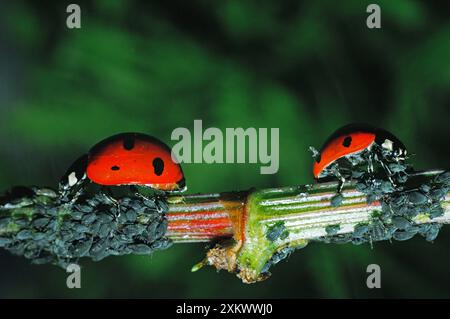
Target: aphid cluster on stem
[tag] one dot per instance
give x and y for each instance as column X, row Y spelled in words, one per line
column 398, row 210
column 92, row 215
column 376, row 160
column 278, row 256
column 91, row 228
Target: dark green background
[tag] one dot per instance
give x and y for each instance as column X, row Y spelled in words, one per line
column 306, row 67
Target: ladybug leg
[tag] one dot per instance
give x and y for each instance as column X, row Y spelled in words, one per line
column 156, row 196
column 388, row 173
column 76, row 195
column 109, row 198
column 112, row 199
column 147, row 193
column 108, row 195
column 136, row 193
column 370, row 160
column 341, row 184
column 341, row 179
column 71, row 195
column 380, row 159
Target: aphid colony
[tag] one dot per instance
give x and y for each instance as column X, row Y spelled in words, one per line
column 395, row 221
column 92, row 228
column 376, row 160
column 99, row 223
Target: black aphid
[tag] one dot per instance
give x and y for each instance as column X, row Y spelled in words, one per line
column 332, row 229
column 275, row 231
column 403, row 235
column 336, row 200
column 417, row 198
column 400, row 222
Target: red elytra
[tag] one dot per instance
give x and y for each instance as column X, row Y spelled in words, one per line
column 134, row 159
column 342, row 144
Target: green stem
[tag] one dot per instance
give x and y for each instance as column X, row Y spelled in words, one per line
column 289, row 217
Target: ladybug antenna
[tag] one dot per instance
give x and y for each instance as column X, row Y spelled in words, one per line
column 314, row 151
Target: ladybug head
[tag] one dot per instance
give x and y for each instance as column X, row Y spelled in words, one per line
column 74, row 175
column 391, row 146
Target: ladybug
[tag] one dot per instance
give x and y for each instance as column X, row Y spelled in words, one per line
column 125, row 159
column 359, row 144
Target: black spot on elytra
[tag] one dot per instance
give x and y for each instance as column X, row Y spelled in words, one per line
column 115, row 168
column 318, row 158
column 128, row 143
column 158, row 166
column 347, row 141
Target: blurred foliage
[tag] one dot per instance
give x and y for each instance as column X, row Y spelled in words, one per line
column 306, row 67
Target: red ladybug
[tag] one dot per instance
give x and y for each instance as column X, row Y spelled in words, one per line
column 357, row 144
column 127, row 159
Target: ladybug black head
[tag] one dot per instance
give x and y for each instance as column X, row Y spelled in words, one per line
column 390, row 142
column 75, row 173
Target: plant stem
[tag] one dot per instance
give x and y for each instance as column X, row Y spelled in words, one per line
column 203, row 217
column 251, row 227
column 304, row 214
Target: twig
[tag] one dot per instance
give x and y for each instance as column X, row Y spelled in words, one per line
column 253, row 229
column 267, row 225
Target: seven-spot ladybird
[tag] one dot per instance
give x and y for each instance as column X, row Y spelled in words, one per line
column 356, row 144
column 126, row 159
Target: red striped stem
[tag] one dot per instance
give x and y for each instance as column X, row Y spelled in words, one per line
column 202, row 218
